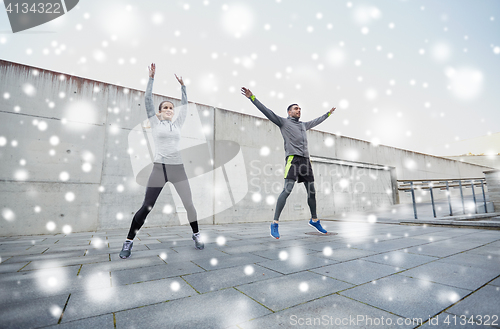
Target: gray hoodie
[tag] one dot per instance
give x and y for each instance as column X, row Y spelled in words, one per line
column 166, row 133
column 292, row 130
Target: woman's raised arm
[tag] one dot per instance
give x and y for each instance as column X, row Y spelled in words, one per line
column 150, row 109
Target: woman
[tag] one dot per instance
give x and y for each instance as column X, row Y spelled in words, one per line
column 168, row 165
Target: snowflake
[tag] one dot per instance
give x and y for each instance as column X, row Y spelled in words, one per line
column 70, row 196
column 249, row 270
column 221, row 240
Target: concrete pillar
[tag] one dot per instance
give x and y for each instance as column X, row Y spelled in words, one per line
column 493, row 183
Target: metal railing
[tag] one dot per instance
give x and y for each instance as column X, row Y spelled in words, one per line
column 443, row 184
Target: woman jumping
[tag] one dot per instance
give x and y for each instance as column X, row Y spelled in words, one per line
column 168, row 166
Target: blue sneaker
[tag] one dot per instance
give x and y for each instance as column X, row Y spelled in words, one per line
column 317, row 226
column 274, row 231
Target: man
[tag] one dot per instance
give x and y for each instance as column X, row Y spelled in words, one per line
column 298, row 165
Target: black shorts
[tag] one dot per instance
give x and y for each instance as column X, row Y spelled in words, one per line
column 299, row 169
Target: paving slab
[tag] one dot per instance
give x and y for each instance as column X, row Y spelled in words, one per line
column 59, row 262
column 407, row 297
column 32, row 313
column 247, row 246
column 216, row 263
column 479, row 238
column 357, row 271
column 191, row 253
column 495, row 244
column 120, row 264
column 431, row 250
column 344, row 254
column 400, row 259
column 13, row 248
column 25, row 241
column 287, row 291
column 301, row 240
column 459, row 276
column 96, row 302
column 149, row 241
column 287, row 252
column 220, row 309
column 320, row 246
column 24, row 286
column 170, row 244
column 381, row 236
column 486, row 249
column 496, row 282
column 44, row 257
column 481, row 302
column 472, row 259
column 228, row 277
column 298, row 263
column 332, row 311
column 432, row 237
column 50, row 240
column 459, row 243
column 226, row 243
column 66, row 248
column 101, row 322
column 107, row 250
column 14, row 267
column 148, row 273
column 22, row 251
column 390, row 245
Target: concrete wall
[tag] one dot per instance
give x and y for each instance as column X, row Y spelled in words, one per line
column 70, row 149
column 492, row 161
column 55, row 126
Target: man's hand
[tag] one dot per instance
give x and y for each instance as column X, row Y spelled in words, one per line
column 333, row 109
column 152, row 70
column 179, row 79
column 246, row 92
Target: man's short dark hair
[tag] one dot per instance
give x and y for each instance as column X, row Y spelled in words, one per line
column 290, row 107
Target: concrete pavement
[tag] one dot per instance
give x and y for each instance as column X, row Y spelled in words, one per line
column 368, row 275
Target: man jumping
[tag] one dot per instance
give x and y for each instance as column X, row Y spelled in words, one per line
column 298, row 165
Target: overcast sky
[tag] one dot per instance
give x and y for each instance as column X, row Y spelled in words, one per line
column 419, row 75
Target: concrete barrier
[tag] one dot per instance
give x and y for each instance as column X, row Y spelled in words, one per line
column 493, row 182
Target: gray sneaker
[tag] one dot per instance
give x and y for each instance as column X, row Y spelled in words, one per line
column 197, row 241
column 126, row 249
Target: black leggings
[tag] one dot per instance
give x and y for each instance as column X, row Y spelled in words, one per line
column 160, row 175
column 311, row 198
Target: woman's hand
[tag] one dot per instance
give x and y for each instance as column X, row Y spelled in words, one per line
column 152, row 70
column 179, row 79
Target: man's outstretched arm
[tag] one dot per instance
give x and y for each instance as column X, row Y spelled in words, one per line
column 277, row 120
column 317, row 121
